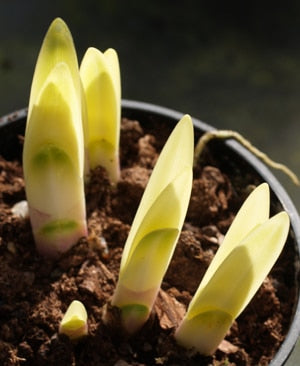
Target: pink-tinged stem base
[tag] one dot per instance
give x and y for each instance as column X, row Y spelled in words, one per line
column 135, row 306
column 56, row 236
column 56, row 244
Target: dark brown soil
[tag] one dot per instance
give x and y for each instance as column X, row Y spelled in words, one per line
column 35, row 293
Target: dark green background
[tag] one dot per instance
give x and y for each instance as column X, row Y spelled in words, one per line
column 234, row 65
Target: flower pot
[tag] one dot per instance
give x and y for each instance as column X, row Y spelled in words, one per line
column 239, row 165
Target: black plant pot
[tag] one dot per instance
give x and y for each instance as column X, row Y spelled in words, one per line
column 230, row 154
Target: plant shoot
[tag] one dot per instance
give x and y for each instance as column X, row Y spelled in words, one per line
column 53, row 155
column 247, row 254
column 100, row 75
column 156, row 227
column 74, row 322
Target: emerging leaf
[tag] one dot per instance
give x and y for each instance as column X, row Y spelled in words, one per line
column 53, row 160
column 254, row 211
column 74, row 322
column 237, row 273
column 156, row 227
column 100, row 77
column 57, row 47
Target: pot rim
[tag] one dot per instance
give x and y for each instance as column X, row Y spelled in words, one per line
column 293, row 334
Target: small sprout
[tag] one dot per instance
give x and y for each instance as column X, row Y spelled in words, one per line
column 247, row 254
column 156, row 227
column 53, row 155
column 100, row 75
column 74, row 322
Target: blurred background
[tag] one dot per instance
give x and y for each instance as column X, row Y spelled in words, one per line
column 234, row 65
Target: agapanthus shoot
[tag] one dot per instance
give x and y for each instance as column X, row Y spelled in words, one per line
column 156, row 227
column 249, row 251
column 100, row 75
column 53, row 155
column 74, row 322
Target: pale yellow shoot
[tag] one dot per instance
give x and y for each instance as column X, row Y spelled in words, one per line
column 53, row 161
column 57, row 47
column 254, row 211
column 173, row 159
column 232, row 286
column 100, row 75
column 156, row 227
column 74, row 323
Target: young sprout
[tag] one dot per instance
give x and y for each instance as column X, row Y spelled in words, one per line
column 100, row 77
column 156, row 227
column 249, row 251
column 53, row 155
column 74, row 322
column 58, row 46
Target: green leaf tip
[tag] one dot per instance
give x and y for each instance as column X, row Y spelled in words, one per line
column 157, row 225
column 57, row 46
column 100, row 75
column 53, row 154
column 246, row 257
column 74, row 322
